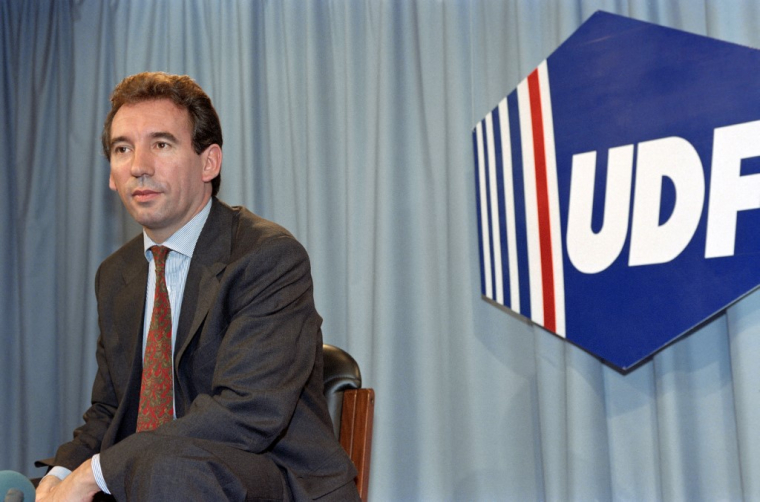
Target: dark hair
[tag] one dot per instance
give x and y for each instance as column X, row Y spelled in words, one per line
column 184, row 92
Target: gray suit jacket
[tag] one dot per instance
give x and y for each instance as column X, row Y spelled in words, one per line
column 247, row 361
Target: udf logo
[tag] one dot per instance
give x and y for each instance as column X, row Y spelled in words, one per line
column 617, row 187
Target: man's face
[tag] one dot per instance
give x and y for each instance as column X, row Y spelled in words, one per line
column 162, row 182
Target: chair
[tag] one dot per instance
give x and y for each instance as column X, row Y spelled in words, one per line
column 352, row 410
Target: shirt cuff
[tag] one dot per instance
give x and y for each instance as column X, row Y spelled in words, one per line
column 98, row 473
column 59, row 472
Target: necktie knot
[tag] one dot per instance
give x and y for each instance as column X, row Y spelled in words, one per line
column 159, row 254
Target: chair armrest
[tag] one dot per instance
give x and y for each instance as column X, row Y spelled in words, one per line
column 356, row 433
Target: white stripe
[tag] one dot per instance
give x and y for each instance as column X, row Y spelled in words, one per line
column 484, row 212
column 552, row 187
column 531, row 205
column 493, row 189
column 509, row 203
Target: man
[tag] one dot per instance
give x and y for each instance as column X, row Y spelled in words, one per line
column 209, row 381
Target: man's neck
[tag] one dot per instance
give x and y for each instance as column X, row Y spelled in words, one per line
column 184, row 239
column 159, row 236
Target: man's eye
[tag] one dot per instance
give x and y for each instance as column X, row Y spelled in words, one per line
column 162, row 144
column 119, row 149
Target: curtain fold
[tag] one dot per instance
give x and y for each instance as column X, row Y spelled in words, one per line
column 349, row 122
column 35, row 40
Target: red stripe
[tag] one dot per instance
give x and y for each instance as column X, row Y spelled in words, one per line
column 542, row 198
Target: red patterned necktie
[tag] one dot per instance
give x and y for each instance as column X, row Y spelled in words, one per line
column 156, row 403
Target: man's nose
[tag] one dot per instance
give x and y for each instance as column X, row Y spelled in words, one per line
column 142, row 163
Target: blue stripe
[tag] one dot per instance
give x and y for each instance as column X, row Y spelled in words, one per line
column 480, row 217
column 502, row 205
column 490, row 209
column 521, row 233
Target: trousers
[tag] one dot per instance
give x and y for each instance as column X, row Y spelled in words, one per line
column 181, row 468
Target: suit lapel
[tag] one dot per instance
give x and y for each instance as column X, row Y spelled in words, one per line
column 129, row 307
column 210, row 258
column 129, row 302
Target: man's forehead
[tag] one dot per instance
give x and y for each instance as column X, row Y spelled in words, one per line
column 151, row 116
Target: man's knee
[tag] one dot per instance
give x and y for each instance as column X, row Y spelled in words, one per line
column 203, row 469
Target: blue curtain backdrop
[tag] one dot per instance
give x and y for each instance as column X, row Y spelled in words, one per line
column 349, row 122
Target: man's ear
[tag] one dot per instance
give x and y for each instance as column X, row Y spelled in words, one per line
column 111, row 183
column 212, row 162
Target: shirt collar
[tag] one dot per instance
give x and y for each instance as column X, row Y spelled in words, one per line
column 183, row 240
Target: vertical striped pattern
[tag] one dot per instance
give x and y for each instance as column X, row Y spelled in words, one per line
column 493, row 202
column 508, row 189
column 518, row 205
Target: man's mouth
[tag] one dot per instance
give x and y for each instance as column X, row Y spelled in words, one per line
column 144, row 195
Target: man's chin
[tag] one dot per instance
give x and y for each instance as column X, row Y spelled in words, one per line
column 147, row 220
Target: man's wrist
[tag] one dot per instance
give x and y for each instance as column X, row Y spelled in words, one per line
column 81, row 483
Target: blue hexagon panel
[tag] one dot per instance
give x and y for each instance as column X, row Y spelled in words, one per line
column 618, row 186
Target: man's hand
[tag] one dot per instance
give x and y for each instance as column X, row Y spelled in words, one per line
column 78, row 486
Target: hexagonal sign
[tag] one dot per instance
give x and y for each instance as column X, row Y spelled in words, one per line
column 618, row 187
